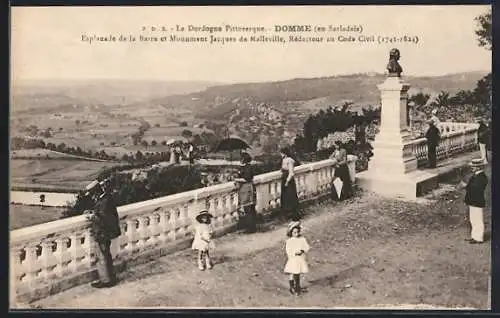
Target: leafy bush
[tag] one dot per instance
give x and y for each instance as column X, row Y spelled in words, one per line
column 157, row 183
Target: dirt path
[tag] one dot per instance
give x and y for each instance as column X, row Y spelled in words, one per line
column 367, row 252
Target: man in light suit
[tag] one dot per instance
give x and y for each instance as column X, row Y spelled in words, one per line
column 475, row 200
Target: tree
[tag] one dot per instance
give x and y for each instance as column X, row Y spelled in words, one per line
column 442, row 100
column 61, row 147
column 186, row 133
column 197, row 140
column 482, row 92
column 462, row 97
column 420, row 99
column 483, row 31
column 183, row 124
column 47, row 133
column 51, row 146
column 153, row 143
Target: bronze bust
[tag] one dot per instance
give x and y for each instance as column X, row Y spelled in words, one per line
column 393, row 66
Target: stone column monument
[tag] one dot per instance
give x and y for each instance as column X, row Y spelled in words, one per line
column 393, row 170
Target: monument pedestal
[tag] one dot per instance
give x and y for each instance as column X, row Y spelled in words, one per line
column 407, row 186
column 392, row 171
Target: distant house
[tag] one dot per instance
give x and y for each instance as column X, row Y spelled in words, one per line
column 56, row 116
column 274, row 115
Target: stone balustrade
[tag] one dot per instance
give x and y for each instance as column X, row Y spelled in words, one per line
column 446, row 127
column 460, row 138
column 54, row 256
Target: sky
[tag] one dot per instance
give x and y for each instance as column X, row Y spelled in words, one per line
column 46, row 43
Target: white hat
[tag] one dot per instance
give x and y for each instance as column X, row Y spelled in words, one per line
column 92, row 185
column 291, row 226
column 477, row 162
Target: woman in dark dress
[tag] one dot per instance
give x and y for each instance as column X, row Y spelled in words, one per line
column 341, row 172
column 247, row 195
column 289, row 197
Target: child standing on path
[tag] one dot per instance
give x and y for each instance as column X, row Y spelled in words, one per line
column 296, row 248
column 203, row 239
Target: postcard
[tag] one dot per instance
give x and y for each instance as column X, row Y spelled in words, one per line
column 253, row 157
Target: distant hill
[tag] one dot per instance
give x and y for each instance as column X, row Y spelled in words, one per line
column 54, row 93
column 307, row 94
column 41, row 102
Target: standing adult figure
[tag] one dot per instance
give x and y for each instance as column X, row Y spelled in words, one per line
column 105, row 226
column 483, row 139
column 178, row 153
column 342, row 172
column 191, row 154
column 433, row 136
column 289, row 197
column 172, row 156
column 434, row 117
column 475, row 200
column 246, row 194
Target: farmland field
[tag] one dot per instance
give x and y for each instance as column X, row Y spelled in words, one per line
column 24, row 215
column 161, row 133
column 62, row 173
column 106, row 127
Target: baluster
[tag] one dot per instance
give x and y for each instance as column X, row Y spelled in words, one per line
column 222, row 207
column 142, row 232
column 61, row 255
column 45, row 259
column 154, row 230
column 232, row 211
column 131, row 234
column 179, row 223
column 173, row 224
column 73, row 252
column 30, row 264
column 164, row 225
column 311, row 183
column 463, row 135
column 88, row 249
column 456, row 141
column 218, row 215
column 234, row 202
column 188, row 223
column 276, row 194
column 446, row 146
column 15, row 269
column 262, row 198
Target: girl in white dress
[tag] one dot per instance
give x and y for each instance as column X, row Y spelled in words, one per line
column 296, row 248
column 203, row 239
